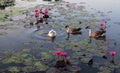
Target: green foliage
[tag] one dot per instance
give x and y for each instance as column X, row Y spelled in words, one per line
column 14, row 69
column 17, row 57
column 47, row 55
column 40, row 66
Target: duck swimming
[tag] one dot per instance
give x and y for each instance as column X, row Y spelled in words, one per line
column 97, row 34
column 73, row 30
column 52, row 33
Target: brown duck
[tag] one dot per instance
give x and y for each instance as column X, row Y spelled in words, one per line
column 73, row 30
column 97, row 34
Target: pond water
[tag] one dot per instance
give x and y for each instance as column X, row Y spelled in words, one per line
column 31, row 50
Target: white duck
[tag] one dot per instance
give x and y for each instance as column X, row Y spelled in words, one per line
column 52, row 33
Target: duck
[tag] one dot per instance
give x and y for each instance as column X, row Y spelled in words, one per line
column 73, row 30
column 97, row 34
column 52, row 33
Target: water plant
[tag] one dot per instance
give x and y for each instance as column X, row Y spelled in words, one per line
column 14, row 69
column 112, row 53
column 101, row 25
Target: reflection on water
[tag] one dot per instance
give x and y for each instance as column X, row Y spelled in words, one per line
column 86, row 68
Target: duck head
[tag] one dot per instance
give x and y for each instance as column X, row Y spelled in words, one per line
column 87, row 27
column 66, row 26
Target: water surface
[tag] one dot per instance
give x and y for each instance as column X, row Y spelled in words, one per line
column 25, row 49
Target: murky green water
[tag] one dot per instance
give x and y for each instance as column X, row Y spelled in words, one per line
column 28, row 50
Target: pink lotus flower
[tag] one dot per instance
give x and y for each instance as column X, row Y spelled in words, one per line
column 64, row 54
column 112, row 53
column 102, row 25
column 58, row 52
column 36, row 10
column 37, row 14
column 45, row 11
column 41, row 10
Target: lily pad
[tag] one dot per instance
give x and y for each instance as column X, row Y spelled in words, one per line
column 40, row 66
column 14, row 69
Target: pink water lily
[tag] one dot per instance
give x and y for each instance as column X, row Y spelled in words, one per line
column 58, row 52
column 64, row 54
column 36, row 10
column 37, row 14
column 45, row 11
column 112, row 53
column 102, row 25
